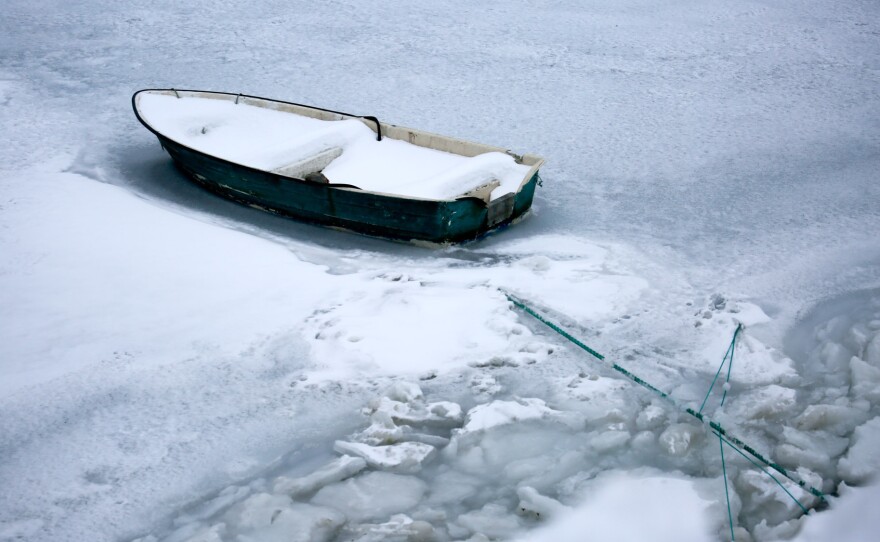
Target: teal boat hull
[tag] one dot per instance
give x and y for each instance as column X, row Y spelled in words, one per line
column 347, row 207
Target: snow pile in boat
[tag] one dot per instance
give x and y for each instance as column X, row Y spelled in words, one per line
column 268, row 139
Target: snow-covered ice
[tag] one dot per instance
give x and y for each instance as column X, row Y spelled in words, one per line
column 177, row 367
column 639, row 506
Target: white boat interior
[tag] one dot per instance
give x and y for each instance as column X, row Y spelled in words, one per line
column 299, row 142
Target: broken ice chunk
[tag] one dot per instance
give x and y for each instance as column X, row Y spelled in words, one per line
column 405, row 392
column 761, row 494
column 493, row 520
column 872, row 351
column 676, row 440
column 651, row 417
column 399, row 527
column 373, row 495
column 862, row 462
column 226, row 498
column 770, row 403
column 532, row 503
column 433, row 440
column 489, row 415
column 383, row 430
column 865, row 380
column 442, row 414
column 275, row 518
column 835, row 419
column 609, row 440
column 335, row 471
column 405, row 457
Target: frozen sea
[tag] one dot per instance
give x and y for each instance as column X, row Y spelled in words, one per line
column 175, row 367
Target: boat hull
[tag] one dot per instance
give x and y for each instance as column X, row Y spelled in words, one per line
column 347, row 207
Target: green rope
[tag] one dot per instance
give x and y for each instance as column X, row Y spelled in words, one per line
column 730, row 351
column 730, row 364
column 718, row 372
column 732, row 440
column 726, row 492
column 768, row 473
column 551, row 325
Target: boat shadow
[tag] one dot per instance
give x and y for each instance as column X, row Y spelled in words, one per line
column 145, row 169
column 150, row 173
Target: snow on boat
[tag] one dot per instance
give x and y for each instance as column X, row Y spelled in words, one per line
column 339, row 170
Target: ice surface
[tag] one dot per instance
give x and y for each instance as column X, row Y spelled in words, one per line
column 492, row 521
column 159, row 358
column 335, row 471
column 269, row 518
column 678, row 439
column 399, row 527
column 373, row 495
column 268, row 139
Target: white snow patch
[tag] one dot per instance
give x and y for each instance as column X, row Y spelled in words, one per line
column 749, row 314
column 661, row 508
column 387, row 330
column 754, row 362
column 853, row 516
column 489, row 415
column 404, row 457
column 604, row 399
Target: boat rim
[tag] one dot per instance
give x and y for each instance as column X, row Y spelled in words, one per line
column 539, row 161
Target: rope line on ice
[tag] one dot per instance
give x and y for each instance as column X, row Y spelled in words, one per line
column 721, row 441
column 741, row 447
column 726, row 492
column 729, row 354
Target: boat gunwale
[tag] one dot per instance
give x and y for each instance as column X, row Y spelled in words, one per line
column 538, row 161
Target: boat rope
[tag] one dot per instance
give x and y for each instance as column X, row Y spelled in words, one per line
column 768, row 473
column 726, row 491
column 729, row 353
column 731, row 440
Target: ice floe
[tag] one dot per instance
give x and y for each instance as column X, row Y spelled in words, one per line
column 373, row 495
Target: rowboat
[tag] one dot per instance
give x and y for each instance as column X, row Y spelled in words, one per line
column 340, row 170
